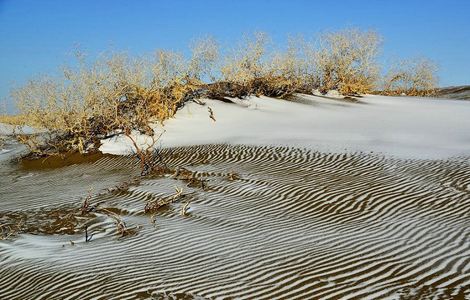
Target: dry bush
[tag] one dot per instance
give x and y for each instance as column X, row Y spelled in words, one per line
column 118, row 94
column 252, row 69
column 204, row 57
column 346, row 61
column 114, row 95
column 415, row 77
column 285, row 72
column 246, row 63
column 243, row 66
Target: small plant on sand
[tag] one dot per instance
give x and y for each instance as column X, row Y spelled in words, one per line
column 86, row 208
column 154, row 205
column 149, row 156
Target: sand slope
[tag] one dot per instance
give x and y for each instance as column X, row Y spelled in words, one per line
column 400, row 126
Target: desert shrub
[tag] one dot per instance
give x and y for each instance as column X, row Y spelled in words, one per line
column 114, row 95
column 204, row 58
column 285, row 72
column 252, row 69
column 243, row 65
column 119, row 94
column 415, row 77
column 347, row 61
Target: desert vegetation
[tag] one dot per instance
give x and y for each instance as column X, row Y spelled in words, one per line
column 411, row 77
column 117, row 94
column 347, row 61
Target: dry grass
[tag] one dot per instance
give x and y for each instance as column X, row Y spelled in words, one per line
column 14, row 119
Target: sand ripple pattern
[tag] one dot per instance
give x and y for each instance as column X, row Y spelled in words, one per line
column 293, row 224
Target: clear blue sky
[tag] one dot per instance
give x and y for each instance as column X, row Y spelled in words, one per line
column 37, row 36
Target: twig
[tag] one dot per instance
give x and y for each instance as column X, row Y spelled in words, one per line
column 86, row 204
column 211, row 113
column 178, row 193
column 120, row 224
column 88, row 238
column 152, row 206
column 197, row 101
column 184, row 208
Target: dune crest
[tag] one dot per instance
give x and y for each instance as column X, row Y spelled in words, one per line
column 400, row 126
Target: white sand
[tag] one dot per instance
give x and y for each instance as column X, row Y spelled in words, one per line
column 399, row 126
column 5, row 129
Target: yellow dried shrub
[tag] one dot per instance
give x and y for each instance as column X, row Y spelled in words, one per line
column 115, row 94
column 347, row 61
column 415, row 77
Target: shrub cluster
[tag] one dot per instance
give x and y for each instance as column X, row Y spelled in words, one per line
column 118, row 94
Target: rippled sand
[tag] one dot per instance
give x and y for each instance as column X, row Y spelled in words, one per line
column 268, row 223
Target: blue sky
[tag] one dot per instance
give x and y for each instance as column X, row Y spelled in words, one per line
column 37, row 36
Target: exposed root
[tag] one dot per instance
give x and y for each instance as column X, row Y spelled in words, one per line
column 184, row 208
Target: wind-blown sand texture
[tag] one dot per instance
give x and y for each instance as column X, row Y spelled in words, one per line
column 316, row 217
column 401, row 126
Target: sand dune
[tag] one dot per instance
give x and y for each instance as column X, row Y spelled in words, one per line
column 455, row 92
column 263, row 222
column 399, row 126
column 293, row 224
